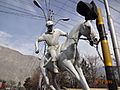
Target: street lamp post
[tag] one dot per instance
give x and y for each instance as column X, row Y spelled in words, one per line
column 39, row 6
column 63, row 19
column 113, row 36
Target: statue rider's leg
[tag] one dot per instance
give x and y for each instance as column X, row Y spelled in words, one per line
column 44, row 73
column 45, row 76
column 47, row 81
column 54, row 60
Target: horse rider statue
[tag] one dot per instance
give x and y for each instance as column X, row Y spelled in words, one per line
column 51, row 38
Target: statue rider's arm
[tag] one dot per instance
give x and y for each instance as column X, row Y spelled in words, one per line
column 41, row 38
column 62, row 33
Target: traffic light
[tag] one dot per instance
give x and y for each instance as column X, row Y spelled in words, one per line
column 88, row 10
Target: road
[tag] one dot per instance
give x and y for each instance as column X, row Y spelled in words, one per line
column 94, row 89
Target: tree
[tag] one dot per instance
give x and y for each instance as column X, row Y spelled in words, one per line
column 93, row 69
column 32, row 82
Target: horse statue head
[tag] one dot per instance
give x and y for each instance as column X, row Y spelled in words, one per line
column 85, row 29
column 88, row 31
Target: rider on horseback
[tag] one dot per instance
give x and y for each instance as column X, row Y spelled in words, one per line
column 51, row 38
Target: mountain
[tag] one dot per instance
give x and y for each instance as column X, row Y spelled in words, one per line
column 16, row 66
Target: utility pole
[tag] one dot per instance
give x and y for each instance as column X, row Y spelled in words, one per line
column 113, row 37
column 106, row 52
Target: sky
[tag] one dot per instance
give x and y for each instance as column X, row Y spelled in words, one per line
column 21, row 22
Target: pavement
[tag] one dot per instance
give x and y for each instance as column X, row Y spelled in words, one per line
column 92, row 89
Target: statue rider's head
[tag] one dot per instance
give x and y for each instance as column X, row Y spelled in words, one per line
column 49, row 25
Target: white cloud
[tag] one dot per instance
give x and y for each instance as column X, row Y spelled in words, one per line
column 23, row 47
column 4, row 38
column 5, row 35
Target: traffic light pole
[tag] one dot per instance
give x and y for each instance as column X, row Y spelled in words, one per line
column 113, row 36
column 106, row 52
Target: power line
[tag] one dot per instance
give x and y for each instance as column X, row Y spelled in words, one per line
column 103, row 3
column 26, row 3
column 71, row 12
column 117, row 1
column 28, row 10
column 64, row 25
column 16, row 6
column 67, row 22
column 64, row 4
column 65, row 10
column 118, row 33
column 49, row 5
column 114, row 10
column 19, row 14
column 68, row 12
column 62, row 16
column 32, row 4
column 73, row 1
column 46, row 5
column 110, row 7
column 61, row 8
column 21, row 11
column 27, row 13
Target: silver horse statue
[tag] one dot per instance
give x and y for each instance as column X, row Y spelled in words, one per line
column 68, row 58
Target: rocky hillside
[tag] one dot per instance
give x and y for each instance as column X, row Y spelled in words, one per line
column 16, row 66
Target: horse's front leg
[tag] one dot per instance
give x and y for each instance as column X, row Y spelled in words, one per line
column 82, row 78
column 77, row 73
column 80, row 72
